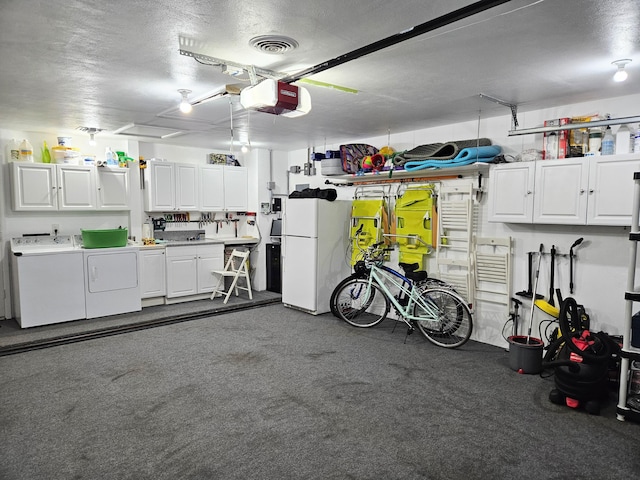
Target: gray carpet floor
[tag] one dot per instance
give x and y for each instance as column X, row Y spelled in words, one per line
column 273, row 393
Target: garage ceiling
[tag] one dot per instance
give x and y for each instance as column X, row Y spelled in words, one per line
column 116, row 65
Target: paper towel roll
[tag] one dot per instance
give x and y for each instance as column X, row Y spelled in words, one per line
column 146, row 231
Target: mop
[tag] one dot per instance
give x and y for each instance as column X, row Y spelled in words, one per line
column 535, row 288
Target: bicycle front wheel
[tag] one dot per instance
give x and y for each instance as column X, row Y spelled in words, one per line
column 444, row 319
column 360, row 303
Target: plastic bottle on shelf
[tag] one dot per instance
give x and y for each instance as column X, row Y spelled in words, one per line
column 624, row 140
column 595, row 140
column 110, row 157
column 608, row 142
column 636, row 141
column 13, row 151
column 46, row 154
column 26, row 151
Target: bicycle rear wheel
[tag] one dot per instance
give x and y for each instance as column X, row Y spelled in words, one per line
column 360, row 304
column 446, row 319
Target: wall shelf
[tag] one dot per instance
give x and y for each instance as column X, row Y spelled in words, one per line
column 574, row 126
column 399, row 176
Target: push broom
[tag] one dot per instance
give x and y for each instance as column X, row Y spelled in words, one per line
column 535, row 288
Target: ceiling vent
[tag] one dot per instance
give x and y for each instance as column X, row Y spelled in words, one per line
column 273, row 44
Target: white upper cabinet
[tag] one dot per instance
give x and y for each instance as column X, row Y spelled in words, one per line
column 171, row 186
column 561, row 192
column 611, row 189
column 39, row 186
column 235, row 189
column 511, row 192
column 160, row 184
column 113, row 188
column 34, row 186
column 211, row 186
column 186, row 187
column 573, row 191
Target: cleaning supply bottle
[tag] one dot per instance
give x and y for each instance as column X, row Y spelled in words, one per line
column 26, row 151
column 636, row 141
column 595, row 140
column 608, row 142
column 13, row 151
column 46, row 154
column 110, row 157
column 624, row 140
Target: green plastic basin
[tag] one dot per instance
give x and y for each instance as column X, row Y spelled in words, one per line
column 116, row 237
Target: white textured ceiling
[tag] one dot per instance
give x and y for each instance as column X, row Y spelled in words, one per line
column 108, row 64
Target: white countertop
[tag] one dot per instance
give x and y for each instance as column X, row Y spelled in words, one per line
column 206, row 241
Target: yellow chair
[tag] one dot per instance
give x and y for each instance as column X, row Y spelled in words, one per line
column 236, row 268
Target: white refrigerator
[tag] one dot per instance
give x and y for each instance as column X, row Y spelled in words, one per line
column 314, row 252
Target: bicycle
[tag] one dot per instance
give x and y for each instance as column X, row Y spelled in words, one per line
column 364, row 299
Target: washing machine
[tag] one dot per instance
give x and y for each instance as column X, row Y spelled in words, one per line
column 112, row 281
column 47, row 280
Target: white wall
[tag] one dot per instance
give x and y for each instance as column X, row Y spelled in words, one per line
column 601, row 261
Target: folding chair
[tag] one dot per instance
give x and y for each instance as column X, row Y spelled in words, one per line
column 236, row 268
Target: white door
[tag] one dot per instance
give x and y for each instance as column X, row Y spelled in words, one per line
column 50, row 288
column 161, row 187
column 34, row 187
column 511, row 192
column 211, row 188
column 76, row 187
column 210, row 257
column 561, row 192
column 111, row 272
column 301, row 217
column 113, row 188
column 186, row 187
column 235, row 189
column 181, row 276
column 611, row 189
column 152, row 273
column 300, row 272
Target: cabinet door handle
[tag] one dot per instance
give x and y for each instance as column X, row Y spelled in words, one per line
column 582, row 191
column 591, row 191
column 529, row 192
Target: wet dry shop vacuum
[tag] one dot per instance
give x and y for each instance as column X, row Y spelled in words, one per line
column 581, row 361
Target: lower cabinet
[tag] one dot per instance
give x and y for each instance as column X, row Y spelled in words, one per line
column 153, row 268
column 189, row 269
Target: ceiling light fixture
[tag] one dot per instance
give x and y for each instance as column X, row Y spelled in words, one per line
column 185, row 106
column 621, row 74
column 92, row 134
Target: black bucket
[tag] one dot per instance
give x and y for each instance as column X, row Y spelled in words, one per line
column 525, row 354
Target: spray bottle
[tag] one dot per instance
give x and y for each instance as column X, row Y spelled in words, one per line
column 46, row 155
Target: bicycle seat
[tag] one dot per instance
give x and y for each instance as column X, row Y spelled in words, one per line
column 411, row 272
column 408, row 267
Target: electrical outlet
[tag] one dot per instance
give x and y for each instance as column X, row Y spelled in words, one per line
column 55, row 229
